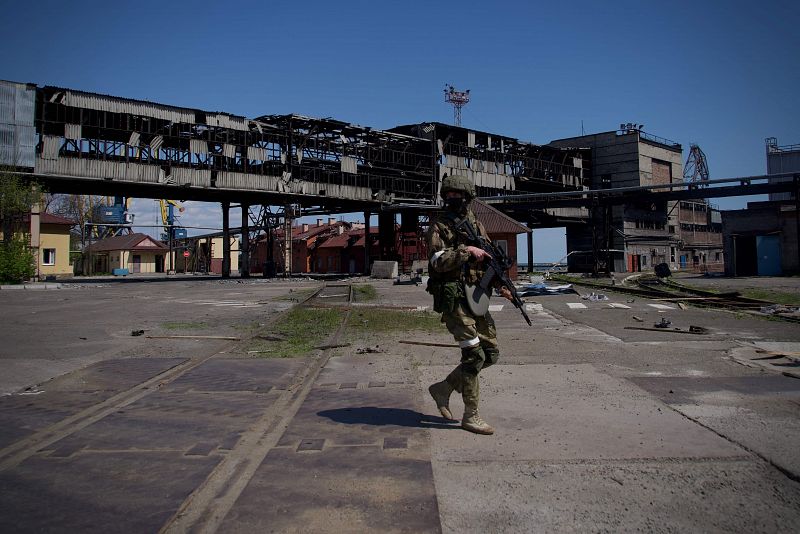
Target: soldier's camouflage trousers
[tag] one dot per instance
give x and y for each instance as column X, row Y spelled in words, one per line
column 477, row 337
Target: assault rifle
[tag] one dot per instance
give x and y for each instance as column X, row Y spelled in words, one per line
column 496, row 271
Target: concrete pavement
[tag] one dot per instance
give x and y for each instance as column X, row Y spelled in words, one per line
column 599, row 428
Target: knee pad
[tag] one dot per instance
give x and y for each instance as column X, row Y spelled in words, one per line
column 492, row 355
column 472, row 360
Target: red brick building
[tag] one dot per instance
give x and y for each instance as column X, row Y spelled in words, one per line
column 306, row 239
column 502, row 229
column 345, row 253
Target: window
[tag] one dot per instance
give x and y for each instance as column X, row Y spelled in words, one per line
column 502, row 244
column 48, row 256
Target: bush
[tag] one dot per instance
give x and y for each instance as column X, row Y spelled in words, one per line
column 17, row 263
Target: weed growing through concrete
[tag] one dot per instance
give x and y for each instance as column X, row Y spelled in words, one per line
column 297, row 295
column 374, row 321
column 296, row 333
column 365, row 293
column 178, row 325
column 776, row 297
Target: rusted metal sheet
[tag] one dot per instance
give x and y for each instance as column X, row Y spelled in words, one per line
column 229, row 150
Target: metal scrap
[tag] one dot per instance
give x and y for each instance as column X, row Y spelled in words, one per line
column 428, row 343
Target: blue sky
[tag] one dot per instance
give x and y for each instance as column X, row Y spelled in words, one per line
column 720, row 74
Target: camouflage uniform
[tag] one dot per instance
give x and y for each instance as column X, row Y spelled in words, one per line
column 451, row 266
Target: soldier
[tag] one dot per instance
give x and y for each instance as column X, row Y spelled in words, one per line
column 453, row 263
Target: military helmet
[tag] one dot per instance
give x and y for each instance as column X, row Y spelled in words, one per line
column 461, row 184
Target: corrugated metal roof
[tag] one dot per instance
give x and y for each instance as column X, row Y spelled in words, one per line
column 127, row 242
column 115, row 104
column 495, row 221
column 337, row 241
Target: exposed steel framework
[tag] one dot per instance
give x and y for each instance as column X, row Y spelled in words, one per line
column 696, row 168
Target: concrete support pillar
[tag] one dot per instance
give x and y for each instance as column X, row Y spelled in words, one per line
column 36, row 237
column 387, row 236
column 226, row 240
column 244, row 265
column 530, row 251
column 287, row 241
column 366, row 241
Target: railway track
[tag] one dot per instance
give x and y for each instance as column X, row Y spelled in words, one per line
column 209, row 503
column 668, row 290
column 17, row 452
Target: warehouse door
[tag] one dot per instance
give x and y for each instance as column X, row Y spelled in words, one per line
column 745, row 260
column 769, row 255
column 137, row 263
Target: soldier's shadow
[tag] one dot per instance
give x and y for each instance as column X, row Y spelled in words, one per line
column 372, row 415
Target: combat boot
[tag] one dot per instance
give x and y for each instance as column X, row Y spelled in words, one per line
column 471, row 394
column 440, row 391
column 472, row 421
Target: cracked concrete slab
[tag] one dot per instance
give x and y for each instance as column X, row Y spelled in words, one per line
column 570, row 412
column 338, row 489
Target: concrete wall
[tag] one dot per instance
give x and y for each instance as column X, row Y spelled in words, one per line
column 55, row 236
column 758, row 220
column 779, row 161
column 123, row 259
column 216, row 254
column 628, row 160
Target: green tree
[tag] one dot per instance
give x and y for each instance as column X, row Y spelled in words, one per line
column 17, row 262
column 16, row 199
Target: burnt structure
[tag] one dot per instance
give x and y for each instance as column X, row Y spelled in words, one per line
column 276, row 167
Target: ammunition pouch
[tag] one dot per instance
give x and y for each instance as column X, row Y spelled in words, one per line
column 446, row 295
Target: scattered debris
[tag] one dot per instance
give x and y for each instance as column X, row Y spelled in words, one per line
column 137, row 332
column 663, row 323
column 673, row 330
column 544, row 289
column 428, row 343
column 229, row 338
column 681, row 305
column 779, row 308
column 638, row 319
column 595, row 297
column 258, row 351
column 662, row 270
column 369, row 350
column 698, row 329
column 333, row 346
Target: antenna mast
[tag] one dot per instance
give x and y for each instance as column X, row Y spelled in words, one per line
column 458, row 99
